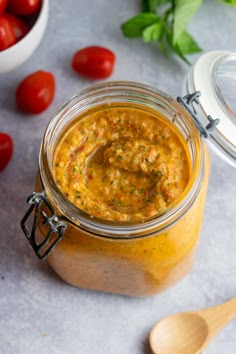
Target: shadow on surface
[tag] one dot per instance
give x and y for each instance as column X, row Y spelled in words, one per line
column 146, row 347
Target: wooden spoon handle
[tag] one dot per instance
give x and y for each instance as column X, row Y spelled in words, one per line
column 218, row 316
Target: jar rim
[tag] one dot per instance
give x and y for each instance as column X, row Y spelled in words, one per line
column 125, row 91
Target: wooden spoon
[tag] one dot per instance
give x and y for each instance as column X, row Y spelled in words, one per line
column 190, row 332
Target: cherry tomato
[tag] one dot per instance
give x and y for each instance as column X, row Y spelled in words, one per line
column 36, row 92
column 19, row 26
column 94, row 62
column 23, row 7
column 7, row 36
column 3, row 5
column 6, row 150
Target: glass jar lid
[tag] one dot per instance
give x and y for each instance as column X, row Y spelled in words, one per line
column 214, row 75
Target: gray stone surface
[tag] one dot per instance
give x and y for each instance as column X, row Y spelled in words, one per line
column 38, row 312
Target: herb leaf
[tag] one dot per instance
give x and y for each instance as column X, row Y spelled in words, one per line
column 151, row 5
column 165, row 21
column 134, row 26
column 145, row 6
column 229, row 2
column 153, row 32
column 186, row 44
column 175, row 48
column 183, row 12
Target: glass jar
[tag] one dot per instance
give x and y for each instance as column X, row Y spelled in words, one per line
column 137, row 258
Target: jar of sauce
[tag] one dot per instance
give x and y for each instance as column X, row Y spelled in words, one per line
column 121, row 188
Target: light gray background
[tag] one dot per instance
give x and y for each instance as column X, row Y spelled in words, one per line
column 38, row 312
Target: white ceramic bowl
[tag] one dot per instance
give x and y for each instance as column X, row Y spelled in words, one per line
column 16, row 55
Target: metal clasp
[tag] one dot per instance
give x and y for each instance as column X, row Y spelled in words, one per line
column 54, row 222
column 188, row 103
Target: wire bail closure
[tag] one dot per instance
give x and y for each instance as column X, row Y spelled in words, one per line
column 53, row 222
column 188, row 103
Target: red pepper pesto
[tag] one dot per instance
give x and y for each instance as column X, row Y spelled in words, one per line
column 122, row 163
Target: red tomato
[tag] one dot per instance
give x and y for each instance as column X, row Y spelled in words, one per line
column 3, row 5
column 36, row 92
column 6, row 150
column 7, row 36
column 23, row 7
column 94, row 62
column 19, row 26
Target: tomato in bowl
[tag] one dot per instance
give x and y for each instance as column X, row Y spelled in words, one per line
column 23, row 33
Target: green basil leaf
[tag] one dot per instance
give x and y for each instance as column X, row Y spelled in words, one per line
column 153, row 32
column 134, row 26
column 162, row 44
column 175, row 49
column 145, row 6
column 186, row 44
column 228, row 2
column 183, row 12
column 151, row 5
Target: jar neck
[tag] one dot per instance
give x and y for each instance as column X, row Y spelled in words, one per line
column 121, row 93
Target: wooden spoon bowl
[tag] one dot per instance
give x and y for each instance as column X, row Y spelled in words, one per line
column 190, row 332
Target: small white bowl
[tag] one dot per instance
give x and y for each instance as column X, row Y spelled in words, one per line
column 16, row 55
